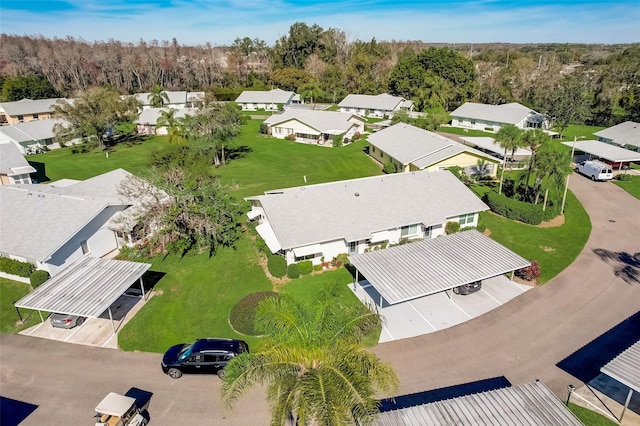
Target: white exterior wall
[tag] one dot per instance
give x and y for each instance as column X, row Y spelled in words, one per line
column 252, row 106
column 282, row 130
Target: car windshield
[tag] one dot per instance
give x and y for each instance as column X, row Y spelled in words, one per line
column 186, row 351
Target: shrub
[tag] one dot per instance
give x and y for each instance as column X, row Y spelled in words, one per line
column 530, row 273
column 38, row 277
column 317, row 267
column 277, row 266
column 356, row 136
column 292, row 137
column 242, row 316
column 339, row 260
column 337, row 141
column 389, row 168
column 305, row 267
column 624, row 177
column 15, row 267
column 451, row 228
column 293, row 271
column 514, row 209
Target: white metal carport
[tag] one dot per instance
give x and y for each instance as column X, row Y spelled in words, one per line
column 625, row 368
column 86, row 288
column 612, row 153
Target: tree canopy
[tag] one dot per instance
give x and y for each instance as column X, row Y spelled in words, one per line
column 27, row 87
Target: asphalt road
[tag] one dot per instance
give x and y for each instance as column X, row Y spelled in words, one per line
column 523, row 340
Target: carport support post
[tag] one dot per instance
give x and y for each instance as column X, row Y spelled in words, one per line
column 111, row 318
column 626, row 404
column 357, row 280
column 142, row 287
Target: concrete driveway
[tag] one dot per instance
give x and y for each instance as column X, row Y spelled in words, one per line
column 438, row 311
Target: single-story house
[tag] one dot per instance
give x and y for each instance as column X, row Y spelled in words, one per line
column 489, row 145
column 619, row 158
column 380, row 105
column 361, row 214
column 14, row 169
column 84, row 218
column 147, row 121
column 625, row 134
column 490, row 118
column 411, row 149
column 317, row 127
column 270, row 100
column 31, row 136
column 177, row 99
column 26, row 110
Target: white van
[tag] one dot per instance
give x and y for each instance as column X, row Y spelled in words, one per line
column 595, row 170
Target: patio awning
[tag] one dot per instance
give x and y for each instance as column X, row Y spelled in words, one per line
column 307, row 250
column 269, row 237
column 86, row 288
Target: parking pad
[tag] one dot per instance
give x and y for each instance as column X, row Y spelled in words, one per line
column 437, row 311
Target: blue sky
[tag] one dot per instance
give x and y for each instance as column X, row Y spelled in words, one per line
column 219, row 22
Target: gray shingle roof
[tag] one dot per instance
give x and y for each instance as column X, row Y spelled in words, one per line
column 151, row 115
column 12, row 162
column 322, row 121
column 28, row 106
column 383, row 101
column 625, row 368
column 627, row 133
column 36, row 130
column 530, row 404
column 412, row 145
column 429, row 266
column 511, row 113
column 606, row 151
column 86, row 288
column 353, row 209
column 276, row 96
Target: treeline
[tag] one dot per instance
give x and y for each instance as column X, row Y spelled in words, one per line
column 601, row 81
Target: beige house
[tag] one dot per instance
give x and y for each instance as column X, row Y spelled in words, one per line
column 26, row 110
column 410, row 149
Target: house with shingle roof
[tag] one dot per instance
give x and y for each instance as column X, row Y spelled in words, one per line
column 361, row 214
column 625, row 134
column 382, row 105
column 177, row 99
column 147, row 121
column 31, row 136
column 411, row 149
column 315, row 127
column 14, row 169
column 490, row 118
column 268, row 100
column 26, row 110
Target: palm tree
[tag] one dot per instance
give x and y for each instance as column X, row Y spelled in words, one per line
column 533, row 139
column 174, row 129
column 554, row 164
column 509, row 137
column 158, row 97
column 313, row 362
column 311, row 90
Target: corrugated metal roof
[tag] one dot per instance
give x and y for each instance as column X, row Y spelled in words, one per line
column 627, row 133
column 625, row 368
column 531, row 404
column 429, row 266
column 85, row 288
column 606, row 151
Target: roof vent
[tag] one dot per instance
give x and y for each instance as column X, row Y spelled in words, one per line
column 357, row 194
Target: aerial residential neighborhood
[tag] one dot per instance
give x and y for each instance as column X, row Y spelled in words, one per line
column 332, row 225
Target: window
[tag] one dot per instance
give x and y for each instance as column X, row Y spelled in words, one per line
column 428, row 231
column 35, row 116
column 353, row 247
column 373, row 149
column 408, row 231
column 85, row 247
column 17, row 179
column 466, row 218
column 21, row 118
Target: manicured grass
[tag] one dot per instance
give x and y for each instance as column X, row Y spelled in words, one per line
column 590, row 418
column 631, row 186
column 553, row 248
column 581, row 132
column 10, row 292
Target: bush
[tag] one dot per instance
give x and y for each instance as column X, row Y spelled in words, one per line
column 293, row 271
column 451, row 228
column 305, row 267
column 530, row 273
column 389, row 168
column 317, row 267
column 277, row 266
column 38, row 277
column 15, row 267
column 292, row 137
column 337, row 141
column 514, row 209
column 242, row 316
column 339, row 260
column 356, row 136
column 624, row 177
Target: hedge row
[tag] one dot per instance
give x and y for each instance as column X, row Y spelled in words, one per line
column 15, row 267
column 514, row 209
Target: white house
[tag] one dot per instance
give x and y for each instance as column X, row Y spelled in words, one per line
column 375, row 105
column 14, row 169
column 269, row 100
column 490, row 118
column 410, row 149
column 317, row 127
column 623, row 134
column 352, row 216
column 147, row 121
column 177, row 99
column 66, row 220
column 26, row 110
column 31, row 136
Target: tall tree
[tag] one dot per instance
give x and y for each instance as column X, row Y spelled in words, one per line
column 158, row 97
column 570, row 102
column 313, row 362
column 555, row 165
column 533, row 140
column 168, row 120
column 294, row 49
column 27, row 87
column 509, row 137
column 311, row 90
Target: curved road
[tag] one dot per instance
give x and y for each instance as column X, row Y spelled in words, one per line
column 522, row 340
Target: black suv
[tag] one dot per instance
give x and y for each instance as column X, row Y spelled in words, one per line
column 468, row 288
column 201, row 356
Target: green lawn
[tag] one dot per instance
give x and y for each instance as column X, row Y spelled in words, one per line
column 581, row 132
column 590, row 418
column 10, row 292
column 631, row 186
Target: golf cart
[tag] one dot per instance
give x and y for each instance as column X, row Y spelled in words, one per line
column 119, row 410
